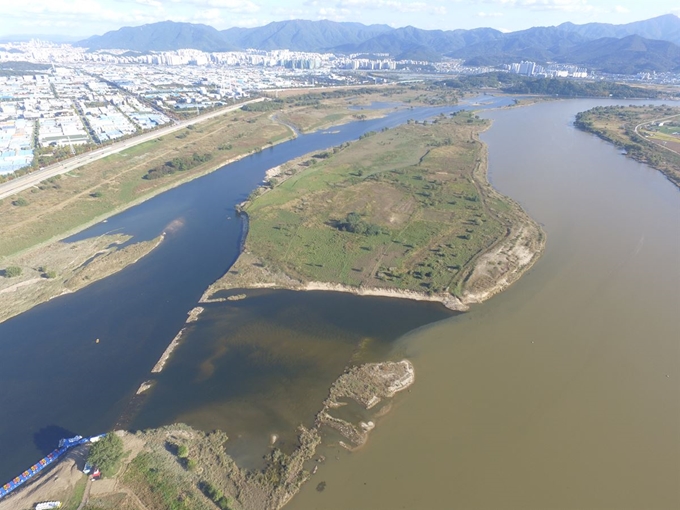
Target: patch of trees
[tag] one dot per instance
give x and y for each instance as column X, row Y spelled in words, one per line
column 367, row 134
column 354, row 223
column 516, row 84
column 106, row 454
column 263, row 106
column 178, row 164
column 215, row 495
column 12, row 271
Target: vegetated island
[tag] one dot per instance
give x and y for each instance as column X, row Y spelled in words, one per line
column 406, row 212
column 180, row 468
column 648, row 134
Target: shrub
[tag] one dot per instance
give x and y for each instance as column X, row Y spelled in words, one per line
column 12, row 271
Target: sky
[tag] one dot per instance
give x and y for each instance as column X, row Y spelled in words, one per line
column 82, row 18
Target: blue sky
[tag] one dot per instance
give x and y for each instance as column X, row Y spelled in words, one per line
column 88, row 17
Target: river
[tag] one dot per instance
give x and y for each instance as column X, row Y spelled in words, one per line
column 57, row 381
column 564, row 391
column 560, row 393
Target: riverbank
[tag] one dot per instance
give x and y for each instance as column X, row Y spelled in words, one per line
column 647, row 134
column 429, row 226
column 60, row 268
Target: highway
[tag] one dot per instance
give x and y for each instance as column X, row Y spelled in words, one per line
column 34, row 178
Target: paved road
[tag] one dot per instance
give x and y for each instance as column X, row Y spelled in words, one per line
column 34, row 178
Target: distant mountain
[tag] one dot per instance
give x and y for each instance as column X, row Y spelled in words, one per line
column 302, row 35
column 163, row 36
column 591, row 45
column 538, row 44
column 629, row 55
column 664, row 28
column 401, row 40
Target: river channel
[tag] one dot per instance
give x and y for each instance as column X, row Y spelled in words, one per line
column 56, row 380
column 564, row 391
column 560, row 393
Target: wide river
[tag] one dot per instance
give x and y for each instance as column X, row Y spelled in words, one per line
column 564, row 391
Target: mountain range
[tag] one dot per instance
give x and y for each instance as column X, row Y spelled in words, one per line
column 649, row 45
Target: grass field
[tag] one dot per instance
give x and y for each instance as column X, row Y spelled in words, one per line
column 654, row 144
column 425, row 214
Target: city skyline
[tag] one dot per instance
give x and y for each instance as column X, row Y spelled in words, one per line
column 83, row 18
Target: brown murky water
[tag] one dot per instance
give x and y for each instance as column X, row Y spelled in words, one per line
column 564, row 391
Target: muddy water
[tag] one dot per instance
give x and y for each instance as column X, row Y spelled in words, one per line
column 564, row 391
column 260, row 366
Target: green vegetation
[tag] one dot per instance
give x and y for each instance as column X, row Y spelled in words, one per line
column 517, row 84
column 106, row 454
column 215, row 495
column 159, row 490
column 355, row 223
column 656, row 142
column 178, row 164
column 12, row 271
column 403, row 209
column 263, row 106
column 182, row 451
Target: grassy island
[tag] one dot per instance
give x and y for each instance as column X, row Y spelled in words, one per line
column 406, row 212
column 648, row 134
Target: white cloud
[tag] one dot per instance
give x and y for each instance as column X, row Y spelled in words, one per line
column 75, row 13
column 489, row 14
column 403, row 7
column 546, row 5
column 234, row 6
column 558, row 5
column 150, row 3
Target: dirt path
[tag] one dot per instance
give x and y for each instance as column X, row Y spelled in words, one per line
column 86, row 495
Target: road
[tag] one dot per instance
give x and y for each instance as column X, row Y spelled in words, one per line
column 34, row 178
